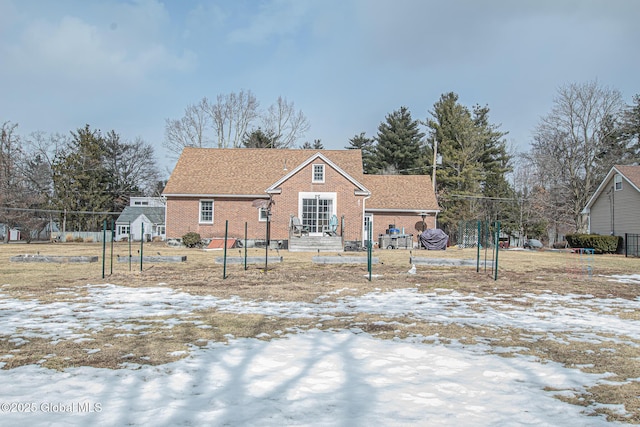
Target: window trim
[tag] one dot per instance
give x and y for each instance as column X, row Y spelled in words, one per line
column 200, row 211
column 617, row 179
column 313, row 173
column 260, row 216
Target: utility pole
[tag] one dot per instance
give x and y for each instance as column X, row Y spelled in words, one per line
column 435, row 158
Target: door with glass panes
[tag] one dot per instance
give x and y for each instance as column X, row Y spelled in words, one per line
column 316, row 212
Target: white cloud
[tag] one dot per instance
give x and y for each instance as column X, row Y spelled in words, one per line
column 124, row 48
column 273, row 19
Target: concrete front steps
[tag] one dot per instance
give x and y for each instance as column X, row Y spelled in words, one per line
column 315, row 244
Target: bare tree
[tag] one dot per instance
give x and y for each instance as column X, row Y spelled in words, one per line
column 231, row 117
column 569, row 143
column 9, row 177
column 189, row 131
column 283, row 121
column 40, row 151
column 231, row 120
column 24, row 184
column 131, row 168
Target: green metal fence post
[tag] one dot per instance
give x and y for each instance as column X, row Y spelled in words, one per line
column 129, row 239
column 497, row 240
column 369, row 250
column 141, row 245
column 104, row 244
column 224, row 256
column 245, row 246
column 112, row 233
column 478, row 247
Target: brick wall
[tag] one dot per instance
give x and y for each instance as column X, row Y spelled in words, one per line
column 347, row 204
column 183, row 213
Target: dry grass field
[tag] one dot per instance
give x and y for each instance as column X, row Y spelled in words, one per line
column 298, row 279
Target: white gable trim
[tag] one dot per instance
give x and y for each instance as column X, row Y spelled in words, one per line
column 601, row 188
column 274, row 188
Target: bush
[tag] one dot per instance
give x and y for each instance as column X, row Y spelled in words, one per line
column 191, row 239
column 561, row 245
column 600, row 244
column 78, row 239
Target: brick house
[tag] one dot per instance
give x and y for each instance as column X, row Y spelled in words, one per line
column 209, row 186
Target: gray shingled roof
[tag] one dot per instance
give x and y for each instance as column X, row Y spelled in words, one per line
column 131, row 213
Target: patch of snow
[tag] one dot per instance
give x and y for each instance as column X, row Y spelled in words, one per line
column 312, row 378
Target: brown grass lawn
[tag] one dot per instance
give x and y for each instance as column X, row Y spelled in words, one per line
column 298, row 279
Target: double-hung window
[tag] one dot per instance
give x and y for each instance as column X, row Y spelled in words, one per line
column 206, row 211
column 618, row 182
column 318, row 173
column 262, row 215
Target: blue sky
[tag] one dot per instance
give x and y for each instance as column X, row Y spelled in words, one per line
column 129, row 65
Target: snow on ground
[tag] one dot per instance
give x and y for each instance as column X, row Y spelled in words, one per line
column 311, row 378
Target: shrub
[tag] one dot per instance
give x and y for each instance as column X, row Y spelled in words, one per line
column 78, row 239
column 191, row 239
column 561, row 245
column 600, row 244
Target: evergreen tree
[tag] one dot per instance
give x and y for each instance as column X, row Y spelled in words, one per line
column 259, row 139
column 317, row 145
column 471, row 181
column 81, row 181
column 458, row 142
column 496, row 163
column 399, row 147
column 366, row 145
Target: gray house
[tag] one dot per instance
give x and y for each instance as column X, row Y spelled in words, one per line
column 129, row 224
column 614, row 208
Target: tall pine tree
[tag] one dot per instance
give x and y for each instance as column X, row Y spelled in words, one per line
column 81, row 181
column 399, row 147
column 366, row 145
column 474, row 161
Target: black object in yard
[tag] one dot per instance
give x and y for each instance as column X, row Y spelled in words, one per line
column 434, row 239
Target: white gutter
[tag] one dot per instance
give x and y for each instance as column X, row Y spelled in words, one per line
column 235, row 196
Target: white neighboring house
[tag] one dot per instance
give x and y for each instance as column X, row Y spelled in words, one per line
column 147, row 212
column 614, row 208
column 147, row 201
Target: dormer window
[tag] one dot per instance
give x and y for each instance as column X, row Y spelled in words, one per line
column 318, row 173
column 618, row 182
